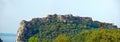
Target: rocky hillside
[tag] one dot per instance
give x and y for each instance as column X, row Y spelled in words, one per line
column 51, row 26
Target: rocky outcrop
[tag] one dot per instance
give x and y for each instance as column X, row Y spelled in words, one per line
column 1, row 40
column 26, row 27
column 22, row 31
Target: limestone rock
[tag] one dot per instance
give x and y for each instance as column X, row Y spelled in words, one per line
column 21, row 31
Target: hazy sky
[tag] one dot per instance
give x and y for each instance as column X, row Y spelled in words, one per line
column 13, row 11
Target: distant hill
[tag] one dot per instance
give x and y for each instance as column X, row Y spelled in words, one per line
column 7, row 34
column 48, row 28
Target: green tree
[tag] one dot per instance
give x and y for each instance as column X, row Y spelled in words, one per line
column 33, row 39
column 62, row 38
column 107, row 35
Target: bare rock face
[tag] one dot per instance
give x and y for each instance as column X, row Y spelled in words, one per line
column 21, row 32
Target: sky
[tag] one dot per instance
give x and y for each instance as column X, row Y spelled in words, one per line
column 13, row 11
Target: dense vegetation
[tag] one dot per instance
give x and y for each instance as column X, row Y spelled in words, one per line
column 50, row 31
column 68, row 28
column 94, row 35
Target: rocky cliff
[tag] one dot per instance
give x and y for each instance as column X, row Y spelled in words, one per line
column 21, row 31
column 30, row 28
